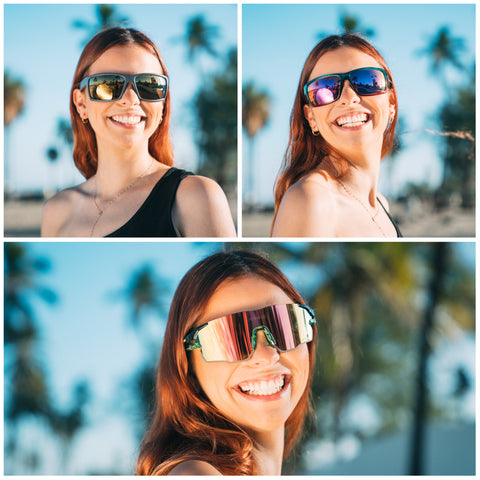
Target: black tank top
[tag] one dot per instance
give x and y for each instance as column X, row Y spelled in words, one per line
column 154, row 217
column 399, row 233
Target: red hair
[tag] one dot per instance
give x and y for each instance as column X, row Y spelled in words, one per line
column 85, row 153
column 305, row 151
column 186, row 425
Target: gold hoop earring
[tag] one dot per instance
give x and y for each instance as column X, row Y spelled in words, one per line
column 315, row 133
column 85, row 120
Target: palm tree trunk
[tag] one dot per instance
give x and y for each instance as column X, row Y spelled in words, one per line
column 417, row 453
column 250, row 193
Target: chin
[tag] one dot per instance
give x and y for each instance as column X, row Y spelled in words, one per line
column 267, row 421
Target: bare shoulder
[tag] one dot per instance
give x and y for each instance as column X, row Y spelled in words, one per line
column 201, row 188
column 57, row 210
column 201, row 209
column 194, row 467
column 307, row 209
column 311, row 188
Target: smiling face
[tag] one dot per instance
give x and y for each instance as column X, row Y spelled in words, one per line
column 353, row 123
column 128, row 121
column 259, row 393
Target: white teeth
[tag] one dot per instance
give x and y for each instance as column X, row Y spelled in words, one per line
column 263, row 387
column 352, row 120
column 129, row 120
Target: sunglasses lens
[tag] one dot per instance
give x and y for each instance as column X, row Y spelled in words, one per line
column 105, row 87
column 225, row 339
column 229, row 338
column 151, row 87
column 368, row 81
column 289, row 325
column 324, row 90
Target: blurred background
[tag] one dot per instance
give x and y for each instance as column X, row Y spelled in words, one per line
column 42, row 47
column 394, row 385
column 429, row 178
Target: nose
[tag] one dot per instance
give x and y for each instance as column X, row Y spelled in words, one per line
column 348, row 94
column 264, row 353
column 129, row 96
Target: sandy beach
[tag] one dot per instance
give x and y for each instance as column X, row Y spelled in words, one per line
column 23, row 218
column 417, row 221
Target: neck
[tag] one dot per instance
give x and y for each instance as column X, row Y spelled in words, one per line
column 363, row 182
column 114, row 171
column 361, row 178
column 268, row 452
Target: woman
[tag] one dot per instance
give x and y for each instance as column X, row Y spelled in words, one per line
column 342, row 125
column 232, row 390
column 120, row 111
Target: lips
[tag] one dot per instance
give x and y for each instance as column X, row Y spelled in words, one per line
column 352, row 120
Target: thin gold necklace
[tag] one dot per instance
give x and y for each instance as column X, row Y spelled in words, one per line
column 349, row 192
column 101, row 211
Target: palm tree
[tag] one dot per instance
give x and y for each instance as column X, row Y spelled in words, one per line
column 439, row 262
column 199, row 37
column 14, row 105
column 26, row 387
column 457, row 119
column 255, row 115
column 443, row 50
column 215, row 110
column 350, row 24
column 14, row 98
column 67, row 424
column 106, row 16
column 144, row 292
column 359, row 279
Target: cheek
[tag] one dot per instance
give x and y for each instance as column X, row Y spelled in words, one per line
column 212, row 376
column 158, row 110
column 300, row 358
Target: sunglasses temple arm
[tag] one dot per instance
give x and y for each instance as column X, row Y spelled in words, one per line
column 191, row 341
column 310, row 311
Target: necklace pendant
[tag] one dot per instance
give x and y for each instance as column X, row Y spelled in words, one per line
column 100, row 212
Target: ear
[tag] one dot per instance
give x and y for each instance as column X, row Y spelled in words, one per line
column 79, row 101
column 308, row 112
column 392, row 111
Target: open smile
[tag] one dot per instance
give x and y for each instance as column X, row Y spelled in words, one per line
column 353, row 120
column 128, row 120
column 264, row 389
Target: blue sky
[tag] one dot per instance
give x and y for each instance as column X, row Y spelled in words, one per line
column 86, row 335
column 42, row 48
column 278, row 38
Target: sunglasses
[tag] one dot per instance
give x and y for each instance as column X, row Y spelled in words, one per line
column 108, row 87
column 233, row 338
column 328, row 88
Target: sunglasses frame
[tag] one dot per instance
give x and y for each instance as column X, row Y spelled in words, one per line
column 129, row 79
column 192, row 342
column 343, row 77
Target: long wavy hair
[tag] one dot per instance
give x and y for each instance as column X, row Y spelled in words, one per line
column 186, row 425
column 85, row 152
column 306, row 151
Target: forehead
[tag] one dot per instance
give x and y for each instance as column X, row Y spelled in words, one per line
column 342, row 60
column 126, row 59
column 243, row 294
